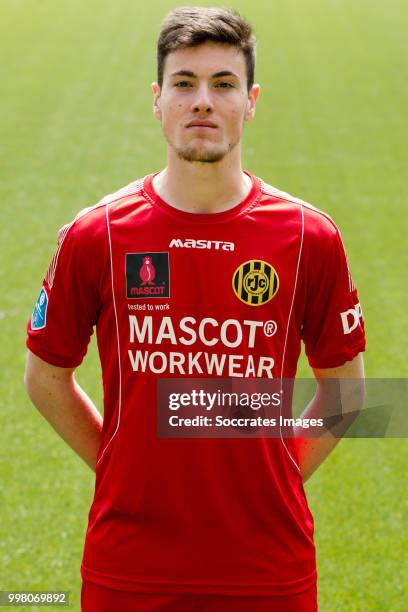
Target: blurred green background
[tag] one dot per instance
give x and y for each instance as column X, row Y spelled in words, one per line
column 331, row 127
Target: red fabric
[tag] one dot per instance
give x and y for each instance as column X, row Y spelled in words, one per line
column 221, row 516
column 99, row 599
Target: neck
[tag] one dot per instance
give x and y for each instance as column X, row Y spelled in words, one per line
column 202, row 187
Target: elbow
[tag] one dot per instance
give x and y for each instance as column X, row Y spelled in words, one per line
column 352, row 402
column 357, row 394
column 363, row 393
column 342, row 400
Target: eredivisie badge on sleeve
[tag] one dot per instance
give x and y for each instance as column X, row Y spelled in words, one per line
column 147, row 275
column 39, row 316
column 255, row 282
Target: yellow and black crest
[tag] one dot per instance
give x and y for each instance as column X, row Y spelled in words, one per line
column 255, row 282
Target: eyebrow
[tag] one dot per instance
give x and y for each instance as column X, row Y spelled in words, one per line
column 224, row 73
column 188, row 73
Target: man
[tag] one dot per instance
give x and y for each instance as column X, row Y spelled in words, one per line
column 198, row 271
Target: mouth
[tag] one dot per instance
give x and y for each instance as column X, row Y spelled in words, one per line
column 202, row 125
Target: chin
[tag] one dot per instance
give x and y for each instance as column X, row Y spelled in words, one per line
column 201, row 154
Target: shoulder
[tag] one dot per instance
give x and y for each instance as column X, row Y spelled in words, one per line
column 86, row 234
column 91, row 221
column 317, row 224
column 93, row 218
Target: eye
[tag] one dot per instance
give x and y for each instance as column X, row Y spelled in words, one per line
column 182, row 84
column 224, row 85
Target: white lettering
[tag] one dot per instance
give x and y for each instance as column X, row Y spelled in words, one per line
column 140, row 334
column 252, row 331
column 201, row 363
column 188, row 330
column 234, row 364
column 202, row 244
column 351, row 318
column 201, row 331
column 223, row 334
column 215, row 362
column 250, row 369
column 166, row 331
column 211, row 397
column 184, row 327
column 176, row 361
column 176, row 242
column 136, row 359
column 193, row 363
column 153, row 357
column 265, row 365
column 190, row 243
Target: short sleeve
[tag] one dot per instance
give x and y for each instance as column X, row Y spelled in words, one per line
column 69, row 301
column 333, row 324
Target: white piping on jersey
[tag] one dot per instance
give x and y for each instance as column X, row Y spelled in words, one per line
column 125, row 192
column 294, row 291
column 268, row 189
column 286, row 197
column 287, row 330
column 131, row 189
column 50, row 275
column 117, row 338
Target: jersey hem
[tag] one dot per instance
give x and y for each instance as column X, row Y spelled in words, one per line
column 274, row 589
column 340, row 359
column 54, row 360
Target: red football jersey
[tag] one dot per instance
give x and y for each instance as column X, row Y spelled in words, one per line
column 176, row 294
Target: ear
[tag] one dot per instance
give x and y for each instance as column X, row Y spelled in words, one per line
column 251, row 104
column 156, row 100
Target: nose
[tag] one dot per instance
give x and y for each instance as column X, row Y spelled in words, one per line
column 202, row 102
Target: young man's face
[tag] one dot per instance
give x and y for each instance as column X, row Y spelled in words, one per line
column 204, row 101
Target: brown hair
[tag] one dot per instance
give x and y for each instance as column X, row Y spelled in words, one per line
column 190, row 26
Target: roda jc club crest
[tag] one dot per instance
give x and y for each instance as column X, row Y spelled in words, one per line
column 255, row 282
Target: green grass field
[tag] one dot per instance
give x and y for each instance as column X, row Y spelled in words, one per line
column 76, row 123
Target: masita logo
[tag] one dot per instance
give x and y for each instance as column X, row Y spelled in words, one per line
column 190, row 243
column 255, row 282
column 147, row 275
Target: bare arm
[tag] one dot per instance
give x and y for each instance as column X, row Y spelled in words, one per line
column 56, row 394
column 313, row 451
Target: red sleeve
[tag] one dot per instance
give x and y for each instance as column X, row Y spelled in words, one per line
column 333, row 325
column 67, row 308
